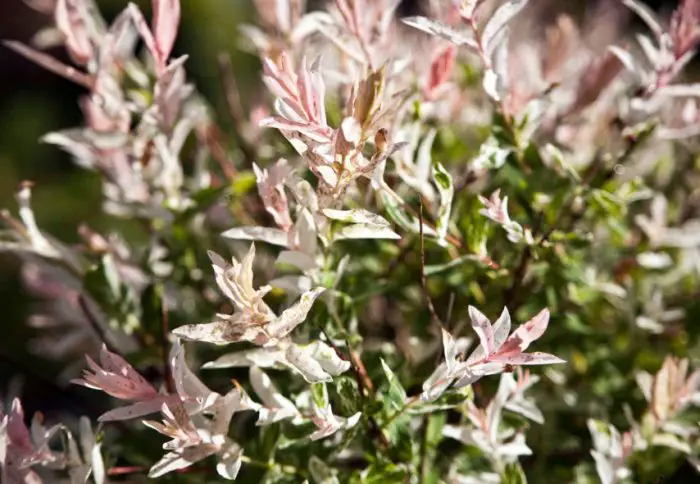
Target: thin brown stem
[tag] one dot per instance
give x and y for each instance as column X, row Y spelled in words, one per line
column 455, row 241
column 210, row 135
column 51, row 64
column 364, row 385
column 235, row 108
column 423, row 279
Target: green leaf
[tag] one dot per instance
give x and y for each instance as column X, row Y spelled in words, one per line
column 404, row 444
column 404, row 220
column 435, row 269
column 449, row 400
column 319, row 393
column 103, row 281
column 432, row 438
column 443, row 181
column 396, row 395
column 115, row 299
column 320, row 472
column 243, row 183
column 350, row 400
column 382, row 473
column 513, row 474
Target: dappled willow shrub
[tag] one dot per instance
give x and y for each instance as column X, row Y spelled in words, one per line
column 388, row 185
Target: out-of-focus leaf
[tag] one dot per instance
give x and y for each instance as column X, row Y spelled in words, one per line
column 514, row 474
column 441, row 30
column 395, row 395
column 320, row 472
column 443, row 180
column 498, row 22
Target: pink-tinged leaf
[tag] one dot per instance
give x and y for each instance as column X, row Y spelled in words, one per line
column 483, row 329
column 116, row 364
column 440, row 70
column 145, row 32
column 535, row 358
column 166, row 20
column 116, row 378
column 139, row 409
column 685, row 28
column 526, row 334
column 306, row 91
column 69, row 20
column 51, row 64
column 501, row 329
column 280, row 84
column 284, row 124
column 16, row 429
column 498, row 23
column 319, row 107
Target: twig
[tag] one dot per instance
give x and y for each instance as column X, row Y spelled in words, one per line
column 231, row 91
column 51, row 64
column 450, row 307
column 235, row 108
column 455, row 241
column 361, row 371
column 423, row 278
column 364, row 384
column 209, row 135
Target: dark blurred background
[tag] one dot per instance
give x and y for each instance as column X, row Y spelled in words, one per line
column 34, row 102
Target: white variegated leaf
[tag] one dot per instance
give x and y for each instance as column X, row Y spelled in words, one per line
column 498, row 22
column 366, row 231
column 263, row 234
column 441, row 30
